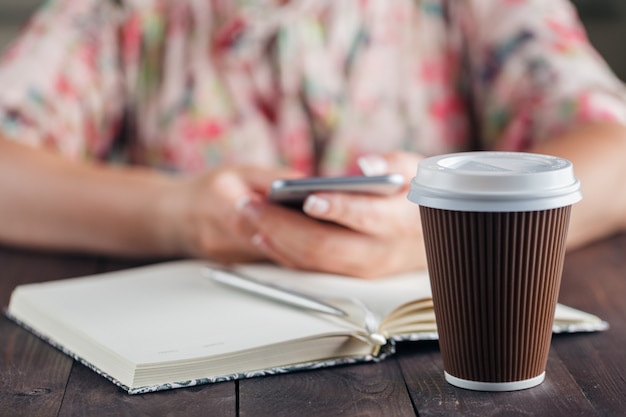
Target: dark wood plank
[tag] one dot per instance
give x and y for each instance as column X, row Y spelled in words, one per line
column 369, row 389
column 585, row 375
column 33, row 374
column 119, row 264
column 433, row 396
column 595, row 280
column 89, row 394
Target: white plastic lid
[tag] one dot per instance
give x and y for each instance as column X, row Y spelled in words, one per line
column 495, row 181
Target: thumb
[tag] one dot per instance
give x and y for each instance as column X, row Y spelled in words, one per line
column 400, row 162
column 260, row 179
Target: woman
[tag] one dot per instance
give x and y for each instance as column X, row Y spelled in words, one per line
column 154, row 128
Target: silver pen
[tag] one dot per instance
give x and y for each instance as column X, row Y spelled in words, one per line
column 274, row 292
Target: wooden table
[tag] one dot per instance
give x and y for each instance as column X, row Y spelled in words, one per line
column 586, row 373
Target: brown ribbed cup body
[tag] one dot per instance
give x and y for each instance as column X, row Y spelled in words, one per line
column 495, row 279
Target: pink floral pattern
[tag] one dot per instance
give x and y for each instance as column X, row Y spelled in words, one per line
column 313, row 84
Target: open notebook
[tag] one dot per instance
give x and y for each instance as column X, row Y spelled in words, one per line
column 167, row 325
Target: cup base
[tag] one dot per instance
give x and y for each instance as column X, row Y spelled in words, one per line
column 495, row 386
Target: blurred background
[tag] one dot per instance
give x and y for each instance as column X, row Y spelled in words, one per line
column 605, row 21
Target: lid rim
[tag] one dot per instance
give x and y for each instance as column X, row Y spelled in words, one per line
column 510, row 205
column 493, row 181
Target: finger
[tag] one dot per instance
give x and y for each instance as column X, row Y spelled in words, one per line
column 335, row 253
column 289, row 238
column 295, row 240
column 395, row 162
column 235, row 188
column 260, row 179
column 403, row 162
column 372, row 215
column 351, row 254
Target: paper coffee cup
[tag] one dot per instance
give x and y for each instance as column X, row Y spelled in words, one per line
column 495, row 225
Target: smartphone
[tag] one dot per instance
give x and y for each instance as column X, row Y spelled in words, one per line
column 293, row 192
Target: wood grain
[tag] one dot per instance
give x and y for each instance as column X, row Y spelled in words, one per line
column 89, row 394
column 33, row 375
column 373, row 389
column 585, row 374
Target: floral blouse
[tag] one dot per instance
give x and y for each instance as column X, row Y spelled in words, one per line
column 184, row 85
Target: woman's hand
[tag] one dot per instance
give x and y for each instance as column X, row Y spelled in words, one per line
column 202, row 217
column 79, row 206
column 359, row 235
column 69, row 205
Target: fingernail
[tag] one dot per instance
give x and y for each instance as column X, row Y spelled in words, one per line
column 315, row 205
column 241, row 203
column 257, row 240
column 249, row 209
column 372, row 165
